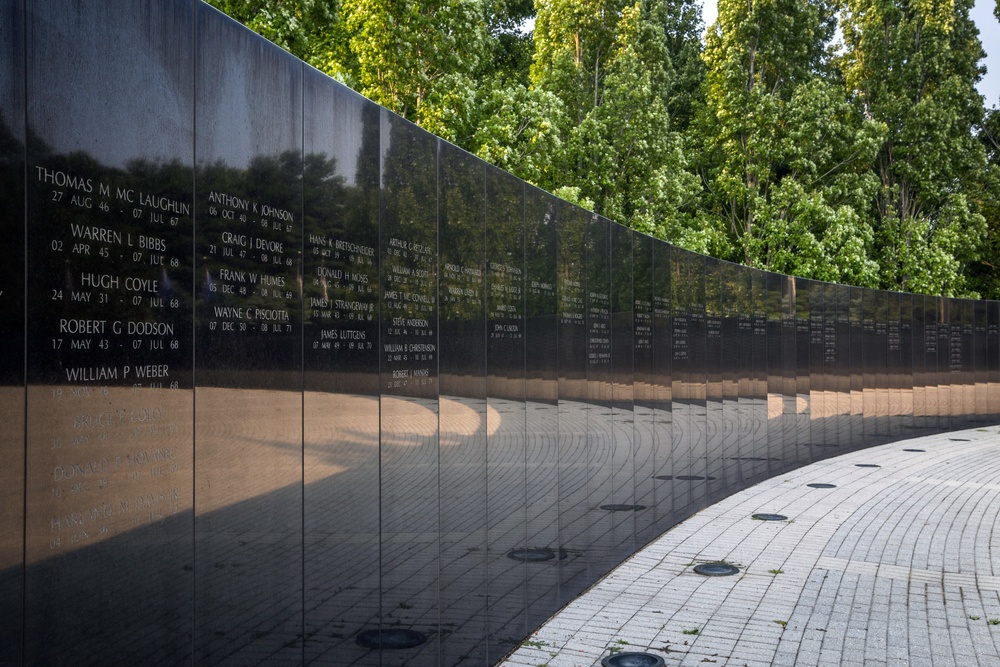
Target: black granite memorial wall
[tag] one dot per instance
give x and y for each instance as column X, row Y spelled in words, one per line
column 289, row 380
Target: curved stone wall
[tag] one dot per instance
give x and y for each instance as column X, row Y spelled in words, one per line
column 284, row 370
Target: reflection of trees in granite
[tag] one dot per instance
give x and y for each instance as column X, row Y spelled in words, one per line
column 463, row 421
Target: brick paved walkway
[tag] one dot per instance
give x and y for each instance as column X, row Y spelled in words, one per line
column 893, row 566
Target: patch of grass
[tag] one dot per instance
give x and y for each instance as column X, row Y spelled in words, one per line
column 622, row 641
column 533, row 643
column 692, row 631
column 783, row 624
column 975, row 618
column 994, row 621
column 776, row 571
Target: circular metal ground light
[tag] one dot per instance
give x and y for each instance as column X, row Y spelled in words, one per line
column 770, row 517
column 719, row 569
column 693, row 478
column 959, row 439
column 665, row 478
column 536, row 555
column 914, row 450
column 391, row 638
column 622, row 508
column 632, row 660
column 819, row 485
column 867, row 465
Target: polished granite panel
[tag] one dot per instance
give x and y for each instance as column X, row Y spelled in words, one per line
column 893, row 364
column 967, row 406
column 433, row 403
column 933, row 345
column 942, row 401
column 760, row 408
column 992, row 358
column 872, row 358
column 661, row 387
column 841, row 363
column 919, row 365
column 806, row 303
column 684, row 459
column 600, row 463
column 798, row 359
column 730, row 291
column 248, row 404
column 947, row 332
column 506, row 587
column 623, row 453
column 463, row 419
column 108, row 474
column 340, row 371
column 12, row 227
column 410, row 439
column 696, row 379
column 643, row 388
column 904, row 376
column 779, row 437
column 980, row 363
column 712, row 365
column 541, row 312
column 750, row 464
column 573, row 407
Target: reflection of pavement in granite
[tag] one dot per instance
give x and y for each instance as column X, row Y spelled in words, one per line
column 409, row 526
column 893, row 566
column 11, row 521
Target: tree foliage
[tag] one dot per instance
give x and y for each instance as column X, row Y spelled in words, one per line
column 871, row 161
column 913, row 65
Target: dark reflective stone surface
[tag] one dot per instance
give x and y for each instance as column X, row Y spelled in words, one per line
column 622, row 339
column 661, row 385
column 505, row 397
column 573, row 411
column 410, row 454
column 109, row 402
column 433, row 403
column 248, row 406
column 12, row 440
column 541, row 312
column 714, row 425
column 340, row 403
column 600, row 462
column 643, row 386
column 464, row 422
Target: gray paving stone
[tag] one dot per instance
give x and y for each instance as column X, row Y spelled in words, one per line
column 885, row 569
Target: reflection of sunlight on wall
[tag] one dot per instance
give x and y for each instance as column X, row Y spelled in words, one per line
column 460, row 420
column 11, row 458
column 405, row 422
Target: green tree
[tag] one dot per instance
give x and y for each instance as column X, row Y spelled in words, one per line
column 913, row 65
column 415, row 57
column 625, row 155
column 787, row 157
column 298, row 26
column 612, row 67
column 984, row 275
